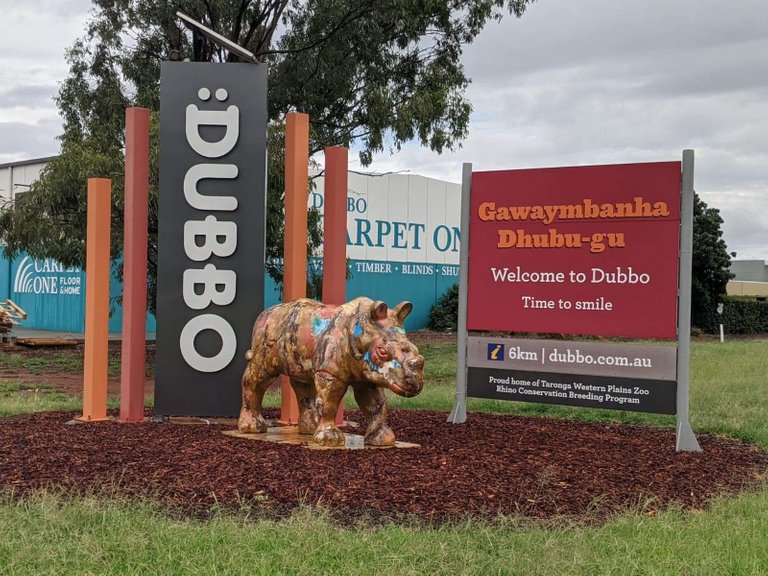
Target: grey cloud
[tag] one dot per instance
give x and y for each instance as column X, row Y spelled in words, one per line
column 570, row 83
column 745, row 227
column 64, row 8
column 34, row 96
column 725, row 171
column 601, row 81
column 20, row 141
column 716, row 70
column 612, row 36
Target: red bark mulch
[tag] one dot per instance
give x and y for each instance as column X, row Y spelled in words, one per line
column 492, row 464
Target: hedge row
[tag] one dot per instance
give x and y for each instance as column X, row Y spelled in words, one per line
column 744, row 316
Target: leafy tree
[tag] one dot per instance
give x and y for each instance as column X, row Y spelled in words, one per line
column 711, row 263
column 444, row 315
column 374, row 73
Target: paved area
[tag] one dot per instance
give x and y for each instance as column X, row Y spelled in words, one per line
column 22, row 332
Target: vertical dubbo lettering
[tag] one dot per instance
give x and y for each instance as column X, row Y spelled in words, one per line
column 189, row 350
column 210, row 279
column 209, row 230
column 229, row 119
column 209, row 202
column 211, row 134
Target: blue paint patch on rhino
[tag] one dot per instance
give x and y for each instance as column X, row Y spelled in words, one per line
column 367, row 360
column 320, row 325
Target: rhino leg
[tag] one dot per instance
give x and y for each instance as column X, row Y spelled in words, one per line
column 309, row 415
column 373, row 403
column 330, row 391
column 255, row 384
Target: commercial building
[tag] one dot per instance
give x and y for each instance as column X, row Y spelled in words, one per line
column 17, row 177
column 403, row 242
column 750, row 279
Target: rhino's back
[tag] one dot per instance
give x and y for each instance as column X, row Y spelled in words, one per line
column 286, row 335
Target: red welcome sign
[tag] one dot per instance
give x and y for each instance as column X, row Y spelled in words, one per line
column 579, row 250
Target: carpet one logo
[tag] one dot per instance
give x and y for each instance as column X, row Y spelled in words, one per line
column 47, row 277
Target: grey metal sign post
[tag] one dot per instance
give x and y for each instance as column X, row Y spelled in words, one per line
column 459, row 412
column 686, row 440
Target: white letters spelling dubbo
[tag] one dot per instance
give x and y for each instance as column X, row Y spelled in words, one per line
column 219, row 287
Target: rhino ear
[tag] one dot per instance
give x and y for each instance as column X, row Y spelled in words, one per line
column 378, row 310
column 402, row 310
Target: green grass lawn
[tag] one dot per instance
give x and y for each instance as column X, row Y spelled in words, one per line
column 18, row 398
column 63, row 360
column 51, row 534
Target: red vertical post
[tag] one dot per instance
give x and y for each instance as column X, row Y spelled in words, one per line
column 97, row 276
column 335, row 234
column 295, row 247
column 133, row 372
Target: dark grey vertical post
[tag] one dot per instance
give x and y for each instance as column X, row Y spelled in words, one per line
column 210, row 277
column 459, row 412
column 686, row 439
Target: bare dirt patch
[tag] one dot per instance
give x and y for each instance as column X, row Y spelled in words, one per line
column 69, row 382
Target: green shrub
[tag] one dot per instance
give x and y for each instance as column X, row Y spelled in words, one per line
column 444, row 315
column 744, row 316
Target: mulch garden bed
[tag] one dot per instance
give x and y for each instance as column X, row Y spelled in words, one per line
column 490, row 465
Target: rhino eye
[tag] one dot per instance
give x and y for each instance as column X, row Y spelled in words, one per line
column 383, row 351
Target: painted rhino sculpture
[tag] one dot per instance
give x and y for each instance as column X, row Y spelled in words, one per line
column 325, row 349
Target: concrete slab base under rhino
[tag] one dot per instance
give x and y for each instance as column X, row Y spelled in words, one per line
column 290, row 435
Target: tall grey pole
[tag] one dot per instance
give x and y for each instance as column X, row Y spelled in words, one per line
column 459, row 412
column 686, row 439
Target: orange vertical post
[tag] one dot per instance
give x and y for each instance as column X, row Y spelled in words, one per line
column 295, row 234
column 97, row 278
column 132, row 372
column 335, row 234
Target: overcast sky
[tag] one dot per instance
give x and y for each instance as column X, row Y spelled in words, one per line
column 570, row 83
